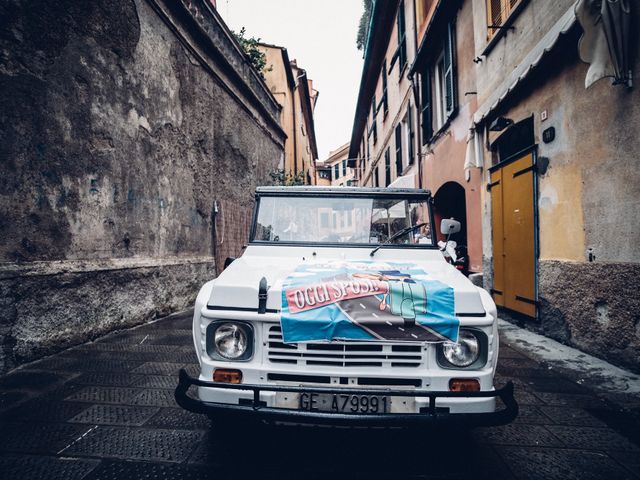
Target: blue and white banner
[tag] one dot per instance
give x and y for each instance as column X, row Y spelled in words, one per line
column 366, row 301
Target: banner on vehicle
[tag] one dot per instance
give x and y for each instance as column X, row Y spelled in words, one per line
column 366, row 301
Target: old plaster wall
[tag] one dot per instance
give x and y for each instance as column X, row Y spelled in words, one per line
column 128, row 163
column 588, row 206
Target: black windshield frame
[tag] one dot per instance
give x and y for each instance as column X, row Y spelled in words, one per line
column 310, row 192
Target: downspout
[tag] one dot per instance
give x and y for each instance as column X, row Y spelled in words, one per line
column 295, row 129
column 418, row 125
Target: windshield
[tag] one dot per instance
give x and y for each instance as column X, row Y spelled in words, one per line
column 332, row 219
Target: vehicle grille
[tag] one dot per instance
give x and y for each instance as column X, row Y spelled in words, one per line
column 342, row 354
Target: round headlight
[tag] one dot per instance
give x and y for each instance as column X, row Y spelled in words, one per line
column 463, row 353
column 231, row 340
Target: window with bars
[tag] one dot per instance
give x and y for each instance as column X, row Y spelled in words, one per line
column 398, row 150
column 498, row 11
column 438, row 85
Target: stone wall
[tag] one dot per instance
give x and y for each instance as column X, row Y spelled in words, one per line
column 594, row 307
column 132, row 135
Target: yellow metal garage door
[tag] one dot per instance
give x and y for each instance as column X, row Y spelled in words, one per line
column 513, row 236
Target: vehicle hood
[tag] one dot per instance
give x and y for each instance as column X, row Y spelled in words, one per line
column 236, row 288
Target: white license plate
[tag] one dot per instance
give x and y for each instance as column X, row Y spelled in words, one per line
column 345, row 403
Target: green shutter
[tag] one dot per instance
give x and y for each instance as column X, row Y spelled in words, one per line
column 426, row 111
column 449, row 69
column 398, row 150
column 387, row 167
column 402, row 44
column 410, row 125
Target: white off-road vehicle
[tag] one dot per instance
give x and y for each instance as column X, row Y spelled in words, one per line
column 342, row 310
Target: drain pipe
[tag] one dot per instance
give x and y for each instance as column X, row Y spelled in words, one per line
column 418, row 125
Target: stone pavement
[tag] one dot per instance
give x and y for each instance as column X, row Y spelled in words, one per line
column 105, row 410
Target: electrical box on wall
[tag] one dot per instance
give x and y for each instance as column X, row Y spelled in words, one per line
column 549, row 135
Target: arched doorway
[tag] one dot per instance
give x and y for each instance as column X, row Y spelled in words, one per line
column 450, row 201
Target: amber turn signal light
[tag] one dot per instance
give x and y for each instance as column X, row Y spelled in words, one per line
column 464, row 385
column 227, row 375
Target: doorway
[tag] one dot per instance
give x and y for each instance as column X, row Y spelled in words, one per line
column 513, row 220
column 450, row 202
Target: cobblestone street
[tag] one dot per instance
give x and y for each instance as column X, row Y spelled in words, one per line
column 105, row 410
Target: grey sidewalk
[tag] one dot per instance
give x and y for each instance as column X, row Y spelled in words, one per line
column 105, row 410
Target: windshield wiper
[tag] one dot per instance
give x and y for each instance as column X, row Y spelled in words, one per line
column 402, row 232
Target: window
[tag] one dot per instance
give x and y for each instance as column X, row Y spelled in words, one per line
column 383, row 101
column 336, row 171
column 387, row 167
column 398, row 150
column 438, row 93
column 356, row 220
column 344, row 167
column 402, row 40
column 498, row 11
column 376, row 178
column 325, row 174
column 438, row 88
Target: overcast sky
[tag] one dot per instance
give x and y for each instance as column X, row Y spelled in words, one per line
column 321, row 36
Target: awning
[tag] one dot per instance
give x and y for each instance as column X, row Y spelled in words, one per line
column 406, row 181
column 529, row 63
column 605, row 42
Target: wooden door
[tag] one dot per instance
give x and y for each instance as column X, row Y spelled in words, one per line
column 513, row 225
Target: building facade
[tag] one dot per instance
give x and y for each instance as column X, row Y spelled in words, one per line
column 398, row 140
column 445, row 74
column 335, row 170
column 295, row 93
column 560, row 180
column 535, row 153
column 383, row 140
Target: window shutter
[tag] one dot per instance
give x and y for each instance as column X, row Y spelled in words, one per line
column 398, row 150
column 427, row 108
column 387, row 167
column 450, row 70
column 411, row 136
column 402, row 44
column 384, row 101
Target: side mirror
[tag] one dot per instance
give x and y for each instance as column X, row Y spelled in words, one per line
column 449, row 226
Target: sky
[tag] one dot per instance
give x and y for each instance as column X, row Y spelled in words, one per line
column 321, row 36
